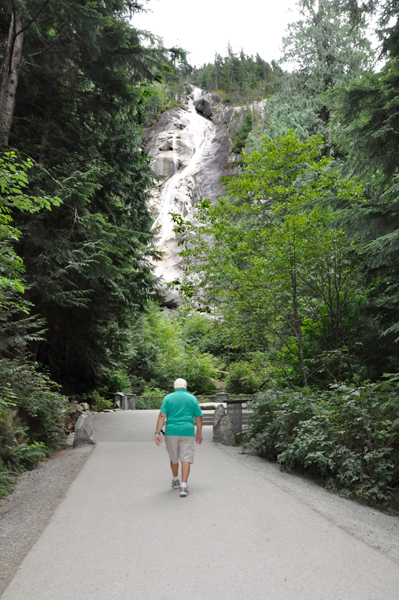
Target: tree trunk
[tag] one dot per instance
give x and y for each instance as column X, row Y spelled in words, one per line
column 298, row 329
column 45, row 133
column 9, row 77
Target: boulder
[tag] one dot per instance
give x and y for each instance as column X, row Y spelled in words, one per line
column 227, row 433
column 165, row 146
column 220, row 413
column 223, row 429
column 70, row 439
column 213, row 98
column 203, row 107
column 84, row 433
column 85, row 405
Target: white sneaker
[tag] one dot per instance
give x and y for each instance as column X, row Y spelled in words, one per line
column 175, row 484
column 183, row 492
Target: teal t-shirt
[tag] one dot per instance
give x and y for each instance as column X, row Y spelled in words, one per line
column 180, row 408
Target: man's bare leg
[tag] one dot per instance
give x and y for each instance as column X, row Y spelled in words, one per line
column 175, row 468
column 185, row 471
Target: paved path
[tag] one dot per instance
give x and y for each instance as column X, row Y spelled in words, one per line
column 122, row 533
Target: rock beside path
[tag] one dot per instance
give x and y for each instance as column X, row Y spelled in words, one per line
column 84, row 433
column 223, row 428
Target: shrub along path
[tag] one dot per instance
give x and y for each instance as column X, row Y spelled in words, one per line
column 122, row 533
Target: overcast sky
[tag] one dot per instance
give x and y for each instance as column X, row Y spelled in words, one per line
column 206, row 26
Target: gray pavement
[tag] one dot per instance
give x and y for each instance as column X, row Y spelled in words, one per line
column 122, row 533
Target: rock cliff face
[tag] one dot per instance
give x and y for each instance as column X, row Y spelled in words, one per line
column 190, row 146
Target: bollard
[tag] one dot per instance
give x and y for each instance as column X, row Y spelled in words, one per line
column 131, row 401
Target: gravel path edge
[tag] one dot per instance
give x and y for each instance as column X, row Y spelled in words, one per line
column 25, row 513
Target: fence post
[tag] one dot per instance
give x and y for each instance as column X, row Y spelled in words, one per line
column 131, row 401
column 234, row 411
column 119, row 398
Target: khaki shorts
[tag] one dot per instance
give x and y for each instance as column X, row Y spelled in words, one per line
column 180, row 447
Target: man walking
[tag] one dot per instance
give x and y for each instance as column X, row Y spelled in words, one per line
column 180, row 409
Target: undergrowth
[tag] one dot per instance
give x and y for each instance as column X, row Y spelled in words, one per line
column 348, row 436
column 31, row 419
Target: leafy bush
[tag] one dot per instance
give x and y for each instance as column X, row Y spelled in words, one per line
column 98, row 403
column 348, row 436
column 16, row 453
column 7, row 480
column 149, row 402
column 39, row 405
column 239, row 137
column 31, row 418
column 115, row 380
column 242, row 378
column 171, row 354
column 198, row 370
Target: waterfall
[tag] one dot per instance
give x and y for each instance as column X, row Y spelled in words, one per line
column 197, row 93
column 197, row 135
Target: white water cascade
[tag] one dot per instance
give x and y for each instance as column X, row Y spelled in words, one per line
column 189, row 140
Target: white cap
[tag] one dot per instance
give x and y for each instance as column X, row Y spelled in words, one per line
column 180, row 384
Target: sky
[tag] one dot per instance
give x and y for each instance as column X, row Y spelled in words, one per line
column 207, row 26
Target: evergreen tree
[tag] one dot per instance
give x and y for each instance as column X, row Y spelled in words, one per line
column 325, row 49
column 80, row 103
column 239, row 77
column 366, row 121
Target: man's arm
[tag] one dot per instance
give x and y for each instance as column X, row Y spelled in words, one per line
column 198, row 437
column 160, row 422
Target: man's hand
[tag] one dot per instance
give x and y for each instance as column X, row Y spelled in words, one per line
column 160, row 422
column 198, row 438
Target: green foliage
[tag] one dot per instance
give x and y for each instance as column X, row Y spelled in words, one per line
column 150, row 402
column 239, row 137
column 98, row 403
column 7, row 480
column 243, row 379
column 39, row 404
column 81, row 100
column 172, row 354
column 364, row 126
column 13, row 186
column 31, row 418
column 326, row 49
column 114, row 380
column 14, row 183
column 239, row 78
column 278, row 268
column 174, row 88
column 347, row 436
